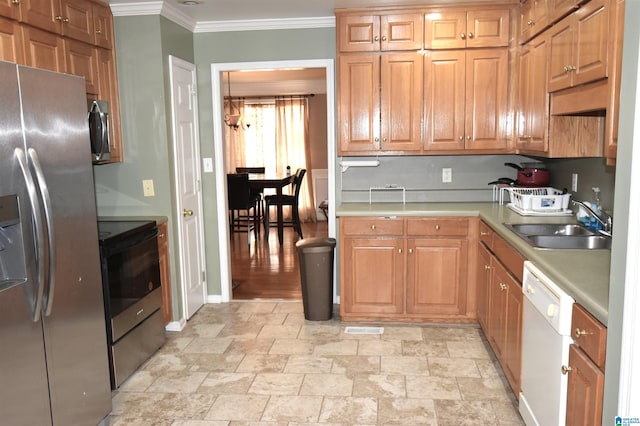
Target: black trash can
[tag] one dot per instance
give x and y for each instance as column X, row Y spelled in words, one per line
column 316, row 273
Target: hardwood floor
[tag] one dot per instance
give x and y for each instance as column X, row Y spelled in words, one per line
column 267, row 270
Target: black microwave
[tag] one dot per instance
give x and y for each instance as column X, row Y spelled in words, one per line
column 99, row 131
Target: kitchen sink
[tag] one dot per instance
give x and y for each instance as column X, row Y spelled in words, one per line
column 560, row 236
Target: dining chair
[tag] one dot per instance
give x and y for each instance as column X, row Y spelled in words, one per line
column 241, row 200
column 256, row 192
column 287, row 200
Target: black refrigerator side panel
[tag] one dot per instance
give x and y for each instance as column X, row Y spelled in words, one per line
column 24, row 393
column 57, row 134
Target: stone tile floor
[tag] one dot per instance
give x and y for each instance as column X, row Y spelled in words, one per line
column 261, row 363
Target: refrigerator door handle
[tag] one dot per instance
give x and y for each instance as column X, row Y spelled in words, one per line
column 36, row 304
column 48, row 215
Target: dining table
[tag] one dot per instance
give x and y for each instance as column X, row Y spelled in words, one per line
column 262, row 181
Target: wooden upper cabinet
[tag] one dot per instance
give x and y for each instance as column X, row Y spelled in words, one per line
column 10, row 9
column 534, row 18
column 102, row 26
column 579, row 47
column 370, row 33
column 11, row 43
column 533, row 98
column 108, row 91
column 615, row 68
column 43, row 14
column 451, row 29
column 43, row 50
column 558, row 9
column 77, row 20
column 82, row 59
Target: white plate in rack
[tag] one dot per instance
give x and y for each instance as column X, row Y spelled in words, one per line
column 522, row 212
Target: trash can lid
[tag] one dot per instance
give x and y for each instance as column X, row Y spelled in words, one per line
column 316, row 244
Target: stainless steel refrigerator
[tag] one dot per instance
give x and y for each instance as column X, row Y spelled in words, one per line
column 53, row 346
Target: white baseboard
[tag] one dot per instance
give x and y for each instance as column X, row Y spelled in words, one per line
column 214, row 298
column 176, row 325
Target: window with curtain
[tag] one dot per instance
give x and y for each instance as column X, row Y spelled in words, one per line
column 276, row 137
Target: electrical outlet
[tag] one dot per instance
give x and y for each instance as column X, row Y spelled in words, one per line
column 574, row 182
column 446, row 175
column 147, row 188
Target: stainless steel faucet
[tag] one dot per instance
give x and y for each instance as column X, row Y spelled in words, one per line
column 604, row 218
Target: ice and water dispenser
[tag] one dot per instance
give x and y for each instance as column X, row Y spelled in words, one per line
column 12, row 259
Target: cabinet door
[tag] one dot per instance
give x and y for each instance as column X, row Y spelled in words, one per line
column 560, row 55
column 401, row 31
column 108, row 90
column 558, row 9
column 82, row 60
column 497, row 318
column 488, row 28
column 534, row 18
column 444, row 79
column 437, row 277
column 358, row 33
column 486, row 99
column 615, row 67
column 43, row 14
column 512, row 355
column 585, row 390
column 533, row 99
column 11, row 44
column 10, row 9
column 591, row 42
column 359, row 102
column 401, row 102
column 77, row 20
column 445, row 29
column 102, row 26
column 165, row 272
column 43, row 50
column 483, row 277
column 372, row 281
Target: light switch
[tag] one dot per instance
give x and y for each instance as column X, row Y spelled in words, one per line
column 207, row 164
column 147, row 188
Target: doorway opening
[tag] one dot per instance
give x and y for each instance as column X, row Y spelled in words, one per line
column 217, row 71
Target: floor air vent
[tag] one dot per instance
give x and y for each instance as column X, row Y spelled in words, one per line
column 364, row 330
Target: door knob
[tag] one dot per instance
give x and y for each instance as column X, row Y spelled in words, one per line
column 186, row 212
column 565, row 369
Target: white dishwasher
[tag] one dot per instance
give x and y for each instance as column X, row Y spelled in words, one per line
column 546, row 338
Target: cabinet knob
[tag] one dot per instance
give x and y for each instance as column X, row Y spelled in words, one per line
column 437, row 227
column 460, row 138
column 410, row 251
column 463, row 36
column 468, row 137
column 470, row 35
column 15, row 1
column 565, row 369
column 487, row 267
column 579, row 333
column 384, row 38
column 98, row 31
column 59, row 19
column 376, row 38
column 399, row 251
column 503, row 287
column 483, row 234
column 572, row 68
column 373, row 227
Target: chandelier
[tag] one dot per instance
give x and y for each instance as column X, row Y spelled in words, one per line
column 233, row 120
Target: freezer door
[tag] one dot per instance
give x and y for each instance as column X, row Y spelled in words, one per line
column 58, row 149
column 24, row 392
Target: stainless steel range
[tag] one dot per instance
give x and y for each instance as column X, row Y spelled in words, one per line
column 132, row 294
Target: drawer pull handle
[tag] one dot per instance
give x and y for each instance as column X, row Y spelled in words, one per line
column 579, row 333
column 373, row 227
column 565, row 369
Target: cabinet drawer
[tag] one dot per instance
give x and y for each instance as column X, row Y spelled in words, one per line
column 438, row 227
column 486, row 235
column 372, row 226
column 509, row 257
column 589, row 334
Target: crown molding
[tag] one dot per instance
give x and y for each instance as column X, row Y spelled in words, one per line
column 265, row 24
column 173, row 14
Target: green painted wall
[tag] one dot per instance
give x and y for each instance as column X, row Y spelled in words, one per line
column 142, row 47
column 242, row 46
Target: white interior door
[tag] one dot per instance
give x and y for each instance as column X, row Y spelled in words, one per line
column 186, row 148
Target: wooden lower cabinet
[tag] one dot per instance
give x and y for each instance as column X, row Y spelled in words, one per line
column 404, row 269
column 165, row 273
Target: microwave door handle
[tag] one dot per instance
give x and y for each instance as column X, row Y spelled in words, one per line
column 39, row 231
column 104, row 125
column 48, row 214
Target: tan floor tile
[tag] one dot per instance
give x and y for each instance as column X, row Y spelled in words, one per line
column 276, row 384
column 402, row 333
column 453, row 367
column 482, row 389
column 256, row 307
column 406, row 411
column 270, row 318
column 151, row 405
column 451, row 333
column 238, row 407
column 205, row 345
column 207, row 330
column 227, row 383
column 414, row 365
column 379, row 386
column 507, row 413
column 139, row 381
column 308, row 364
column 289, row 308
column 175, row 344
column 320, row 332
column 349, row 411
column 228, row 361
column 279, row 331
column 488, row 368
column 255, row 346
column 258, row 363
column 430, row 348
column 468, row 413
column 293, row 409
column 431, row 387
column 162, row 362
column 468, row 349
column 200, row 423
column 243, row 330
column 326, row 384
column 380, row 347
column 130, row 421
column 295, row 319
column 351, row 365
column 178, row 382
column 336, row 348
column 287, row 346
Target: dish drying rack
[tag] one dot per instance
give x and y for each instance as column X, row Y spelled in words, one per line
column 534, row 201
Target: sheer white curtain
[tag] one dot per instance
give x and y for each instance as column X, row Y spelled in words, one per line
column 235, row 143
column 292, row 148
